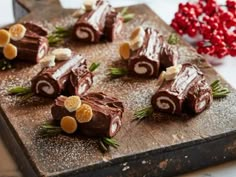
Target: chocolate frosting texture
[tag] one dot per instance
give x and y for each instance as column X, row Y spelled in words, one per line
column 107, row 114
column 34, row 45
column 98, row 23
column 145, row 61
column 52, row 81
column 173, row 94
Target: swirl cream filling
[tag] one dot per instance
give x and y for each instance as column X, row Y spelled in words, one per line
column 84, row 33
column 42, row 50
column 83, row 87
column 143, row 69
column 201, row 104
column 115, row 125
column 48, row 88
column 165, row 106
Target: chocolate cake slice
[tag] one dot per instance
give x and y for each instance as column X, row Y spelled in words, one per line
column 90, row 26
column 189, row 86
column 34, row 45
column 113, row 25
column 52, row 81
column 35, row 28
column 199, row 96
column 107, row 114
column 168, row 55
column 145, row 61
column 80, row 80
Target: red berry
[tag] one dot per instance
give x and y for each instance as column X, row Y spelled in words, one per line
column 232, row 52
column 181, row 6
column 192, row 32
column 200, row 44
column 226, row 16
column 215, row 39
column 222, row 52
column 217, row 25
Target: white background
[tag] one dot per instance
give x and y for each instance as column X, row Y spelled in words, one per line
column 165, row 9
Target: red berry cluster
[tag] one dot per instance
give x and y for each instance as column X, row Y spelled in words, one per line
column 215, row 23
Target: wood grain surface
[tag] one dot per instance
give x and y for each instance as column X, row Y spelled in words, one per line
column 162, row 145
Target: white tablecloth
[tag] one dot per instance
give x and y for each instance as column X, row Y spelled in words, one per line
column 165, row 9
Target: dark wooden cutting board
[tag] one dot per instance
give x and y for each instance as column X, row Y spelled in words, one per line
column 159, row 146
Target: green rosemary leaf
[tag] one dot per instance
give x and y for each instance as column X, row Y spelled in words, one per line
column 104, row 148
column 105, row 143
column 27, row 96
column 220, row 95
column 128, row 17
column 58, row 35
column 124, row 11
column 143, row 113
column 173, row 39
column 94, row 66
column 216, row 82
column 18, row 90
column 118, row 72
column 218, row 91
column 49, row 129
column 111, row 142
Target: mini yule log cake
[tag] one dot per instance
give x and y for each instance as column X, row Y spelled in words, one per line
column 26, row 41
column 97, row 20
column 97, row 114
column 147, row 53
column 183, row 88
column 70, row 77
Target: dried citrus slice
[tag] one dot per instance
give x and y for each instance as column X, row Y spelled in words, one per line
column 4, row 37
column 68, row 124
column 84, row 113
column 10, row 51
column 72, row 103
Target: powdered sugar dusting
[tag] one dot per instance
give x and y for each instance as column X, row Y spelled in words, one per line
column 61, row 153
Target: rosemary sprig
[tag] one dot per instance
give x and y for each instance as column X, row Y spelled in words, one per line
column 94, row 66
column 218, row 91
column 105, row 143
column 124, row 11
column 128, row 17
column 18, row 90
column 143, row 113
column 5, row 64
column 49, row 129
column 118, row 72
column 173, row 39
column 27, row 96
column 125, row 15
column 58, row 35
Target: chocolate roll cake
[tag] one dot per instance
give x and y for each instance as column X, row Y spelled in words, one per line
column 168, row 55
column 58, row 110
column 37, row 29
column 34, row 44
column 32, row 47
column 51, row 81
column 145, row 61
column 172, row 94
column 107, row 115
column 90, row 26
column 199, row 96
column 106, row 119
column 113, row 25
column 80, row 80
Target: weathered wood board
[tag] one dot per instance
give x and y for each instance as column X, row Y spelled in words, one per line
column 159, row 146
